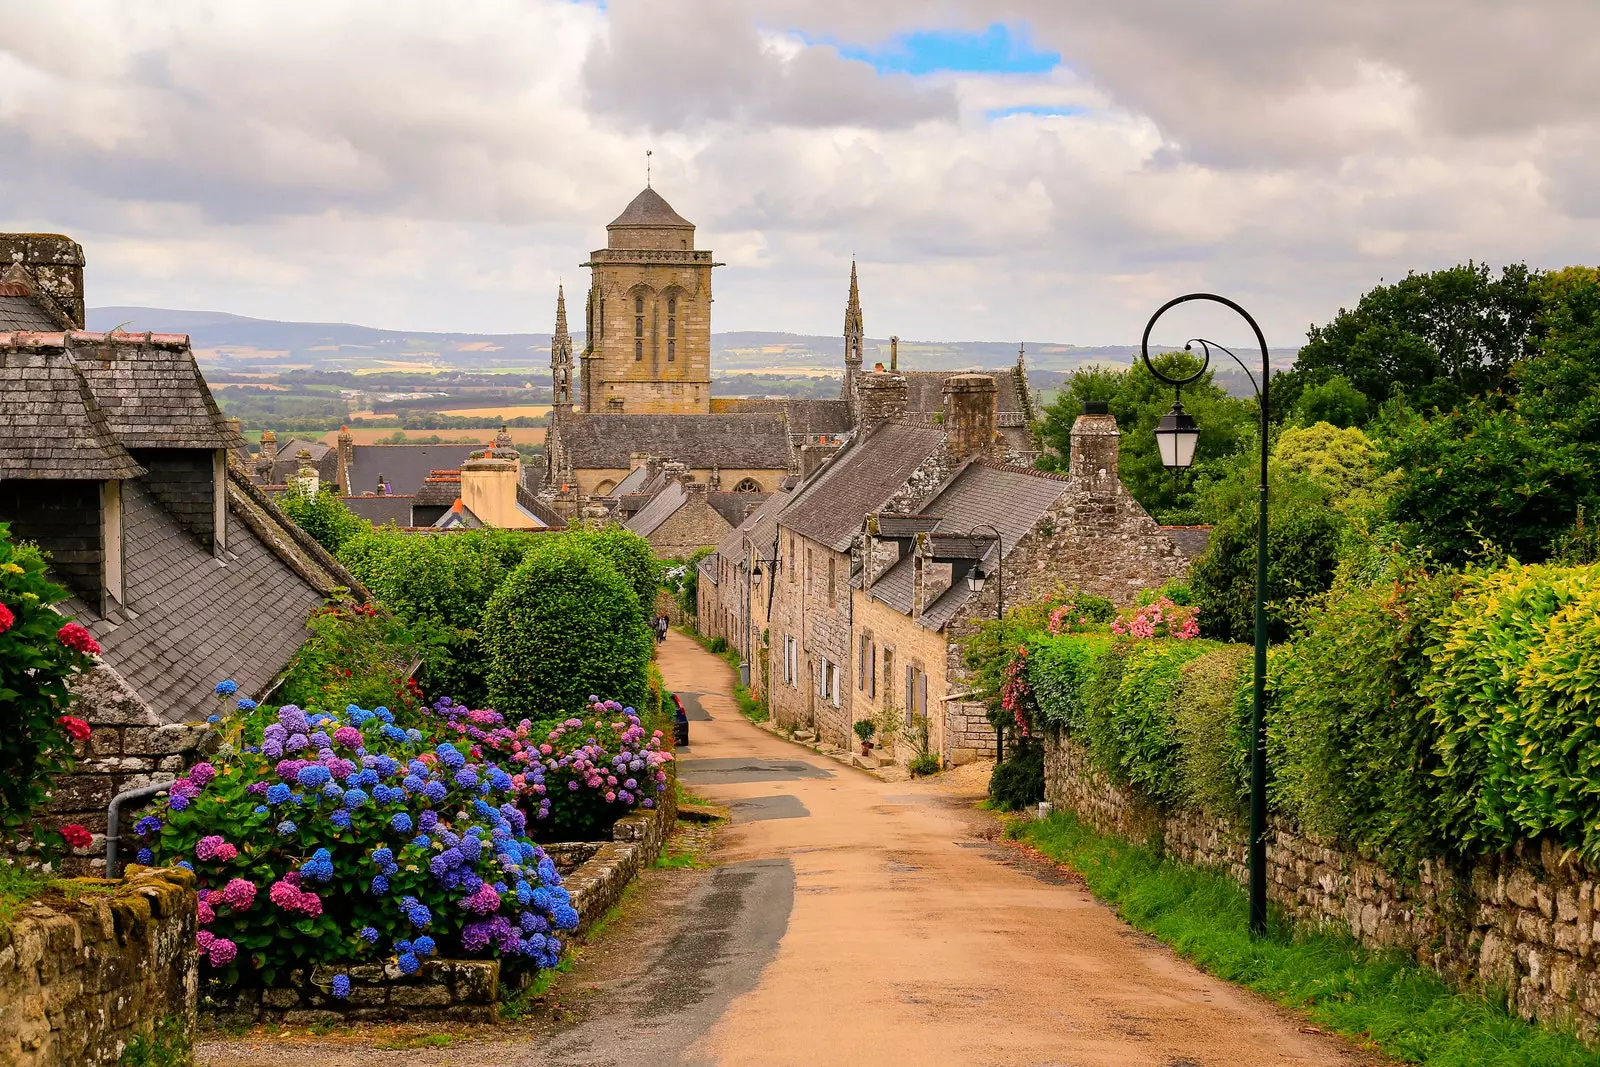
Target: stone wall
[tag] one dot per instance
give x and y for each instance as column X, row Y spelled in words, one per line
column 597, row 883
column 1522, row 923
column 129, row 746
column 79, row 979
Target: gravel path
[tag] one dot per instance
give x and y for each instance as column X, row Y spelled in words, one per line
column 849, row 921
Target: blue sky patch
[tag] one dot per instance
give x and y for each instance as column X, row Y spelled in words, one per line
column 1037, row 110
column 999, row 49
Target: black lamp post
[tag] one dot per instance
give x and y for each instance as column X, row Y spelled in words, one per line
column 1177, row 434
column 975, row 580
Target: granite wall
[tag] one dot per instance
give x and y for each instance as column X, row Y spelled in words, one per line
column 81, row 978
column 1519, row 925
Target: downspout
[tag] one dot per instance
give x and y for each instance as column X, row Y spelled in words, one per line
column 113, row 813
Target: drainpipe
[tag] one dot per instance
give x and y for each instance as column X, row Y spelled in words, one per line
column 115, row 810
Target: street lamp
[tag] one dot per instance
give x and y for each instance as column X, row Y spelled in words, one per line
column 1177, row 453
column 976, row 577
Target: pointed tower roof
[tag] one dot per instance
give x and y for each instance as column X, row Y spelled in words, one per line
column 852, row 313
column 561, row 338
column 650, row 209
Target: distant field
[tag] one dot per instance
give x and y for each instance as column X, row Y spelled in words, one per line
column 364, row 435
column 509, row 411
column 250, row 385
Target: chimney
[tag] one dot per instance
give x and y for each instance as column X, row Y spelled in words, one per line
column 971, row 412
column 503, row 439
column 305, row 475
column 1095, row 438
column 489, row 489
column 813, row 455
column 267, row 458
column 894, row 353
column 883, row 398
column 347, row 460
column 637, row 460
column 677, row 472
column 697, row 491
column 54, row 263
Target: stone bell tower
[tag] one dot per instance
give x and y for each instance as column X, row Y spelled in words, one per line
column 648, row 348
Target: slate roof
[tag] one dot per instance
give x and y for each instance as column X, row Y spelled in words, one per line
column 323, row 458
column 858, row 481
column 633, row 482
column 403, row 466
column 539, row 509
column 439, row 490
column 151, row 391
column 649, row 208
column 758, row 529
column 18, row 311
column 660, row 508
column 607, row 442
column 381, row 510
column 1011, row 499
column 925, row 391
column 50, row 425
column 1191, row 540
column 195, row 620
column 733, row 507
column 813, row 418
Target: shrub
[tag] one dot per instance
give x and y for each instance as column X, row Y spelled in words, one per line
column 358, row 655
column 1081, row 611
column 323, row 515
column 630, row 554
column 864, row 729
column 324, row 840
column 561, row 627
column 588, row 774
column 1143, row 713
column 718, row 645
column 1018, row 781
column 1156, row 619
column 1211, row 726
column 1303, row 540
column 1059, row 669
column 38, row 657
column 925, row 763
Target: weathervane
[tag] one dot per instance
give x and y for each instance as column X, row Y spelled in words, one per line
column 648, row 152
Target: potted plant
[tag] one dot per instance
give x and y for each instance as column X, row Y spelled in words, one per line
column 864, row 729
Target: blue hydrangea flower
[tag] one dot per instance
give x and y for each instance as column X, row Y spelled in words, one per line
column 227, row 688
column 394, row 733
column 245, row 704
column 277, row 793
column 423, row 946
column 145, row 856
column 354, row 798
column 186, row 865
column 369, row 935
column 565, row 917
column 400, row 823
column 434, row 791
column 313, row 776
column 321, row 739
column 383, row 713
column 383, row 857
column 260, row 809
column 341, row 986
column 213, row 718
column 333, row 791
column 420, row 916
column 340, row 818
column 422, row 840
column 449, row 756
column 409, row 964
column 286, row 827
column 319, row 867
column 412, row 783
column 147, row 825
column 380, row 885
column 414, row 735
column 402, row 946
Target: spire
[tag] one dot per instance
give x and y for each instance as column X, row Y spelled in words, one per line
column 853, row 329
column 561, row 354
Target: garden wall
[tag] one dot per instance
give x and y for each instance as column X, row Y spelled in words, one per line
column 79, row 979
column 1523, row 921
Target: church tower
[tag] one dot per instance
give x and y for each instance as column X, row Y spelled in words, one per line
column 561, row 356
column 854, row 335
column 648, row 348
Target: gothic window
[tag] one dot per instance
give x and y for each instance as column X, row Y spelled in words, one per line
column 638, row 304
column 672, row 351
column 747, row 485
column 672, row 328
column 638, row 350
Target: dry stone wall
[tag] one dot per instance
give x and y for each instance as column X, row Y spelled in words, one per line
column 1521, row 924
column 79, row 979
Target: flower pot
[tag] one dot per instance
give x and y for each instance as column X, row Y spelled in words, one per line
column 866, row 748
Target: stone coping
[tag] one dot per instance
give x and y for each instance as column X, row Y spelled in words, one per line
column 595, row 872
column 80, row 978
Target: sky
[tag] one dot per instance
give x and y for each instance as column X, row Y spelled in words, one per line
column 1048, row 170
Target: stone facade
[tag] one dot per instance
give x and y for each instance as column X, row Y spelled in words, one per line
column 80, row 979
column 1521, row 923
column 887, row 643
column 129, row 745
column 811, row 607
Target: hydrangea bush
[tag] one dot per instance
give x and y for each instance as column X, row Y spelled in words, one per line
column 322, row 839
column 578, row 779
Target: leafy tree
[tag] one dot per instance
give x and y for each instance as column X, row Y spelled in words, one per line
column 323, row 515
column 1334, row 401
column 1138, row 400
column 1343, row 462
column 1434, row 339
column 564, row 626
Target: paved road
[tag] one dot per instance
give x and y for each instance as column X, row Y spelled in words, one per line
column 852, row 921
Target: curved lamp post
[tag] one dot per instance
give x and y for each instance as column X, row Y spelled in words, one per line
column 975, row 580
column 1176, row 435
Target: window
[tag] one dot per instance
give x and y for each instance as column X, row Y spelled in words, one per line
column 832, row 592
column 638, row 304
column 638, row 350
column 747, row 485
column 672, row 349
column 810, row 566
column 861, row 664
column 872, row 671
column 828, row 681
column 916, row 693
column 888, row 674
column 790, row 662
column 672, row 305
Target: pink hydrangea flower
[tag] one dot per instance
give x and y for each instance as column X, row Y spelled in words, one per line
column 201, row 774
column 222, row 952
column 239, row 894
column 213, row 847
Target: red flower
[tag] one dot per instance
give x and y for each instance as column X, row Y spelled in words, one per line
column 76, row 836
column 6, row 618
column 76, row 728
column 78, row 639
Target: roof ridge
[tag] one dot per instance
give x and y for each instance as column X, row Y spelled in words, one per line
column 1018, row 468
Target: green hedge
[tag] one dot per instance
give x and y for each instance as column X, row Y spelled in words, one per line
column 1427, row 714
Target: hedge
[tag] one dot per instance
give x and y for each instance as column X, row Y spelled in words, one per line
column 1428, row 714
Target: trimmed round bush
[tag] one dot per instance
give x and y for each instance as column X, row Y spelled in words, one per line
column 562, row 627
column 630, row 554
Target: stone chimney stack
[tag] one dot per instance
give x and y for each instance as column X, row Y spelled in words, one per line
column 971, row 413
column 813, row 455
column 347, row 460
column 1095, row 438
column 677, row 472
column 884, row 398
column 54, row 265
column 305, row 475
column 637, row 460
column 268, row 457
column 489, row 488
column 920, row 562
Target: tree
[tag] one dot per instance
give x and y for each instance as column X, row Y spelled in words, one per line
column 1334, row 401
column 564, row 626
column 1342, row 461
column 1434, row 339
column 323, row 516
column 1138, row 400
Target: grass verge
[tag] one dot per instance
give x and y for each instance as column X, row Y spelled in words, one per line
column 1402, row 1009
column 751, row 708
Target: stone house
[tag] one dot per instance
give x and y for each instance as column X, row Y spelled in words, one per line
column 914, row 606
column 114, row 459
column 734, row 588
column 686, row 515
